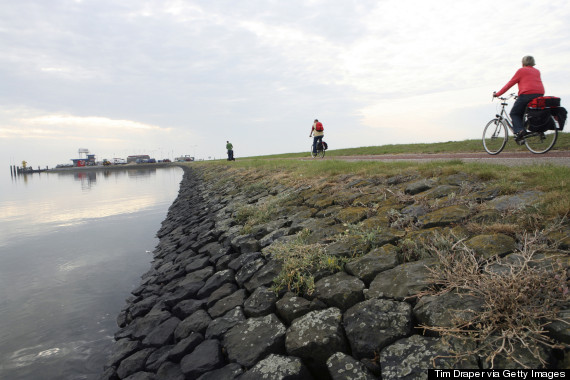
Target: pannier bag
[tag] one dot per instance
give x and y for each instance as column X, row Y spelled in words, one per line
column 325, row 146
column 540, row 120
column 544, row 112
column 543, row 102
column 559, row 113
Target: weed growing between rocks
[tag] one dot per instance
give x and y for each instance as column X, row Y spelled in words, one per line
column 521, row 295
column 252, row 215
column 424, row 247
column 301, row 261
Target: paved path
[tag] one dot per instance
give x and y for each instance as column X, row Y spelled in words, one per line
column 505, row 158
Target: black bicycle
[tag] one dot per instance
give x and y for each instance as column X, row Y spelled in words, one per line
column 496, row 135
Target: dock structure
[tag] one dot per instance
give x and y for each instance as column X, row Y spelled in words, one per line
column 16, row 170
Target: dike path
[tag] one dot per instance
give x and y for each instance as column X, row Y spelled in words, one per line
column 208, row 307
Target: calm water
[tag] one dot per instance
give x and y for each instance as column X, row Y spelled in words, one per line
column 72, row 247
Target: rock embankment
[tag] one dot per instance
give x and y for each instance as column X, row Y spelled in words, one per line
column 211, row 308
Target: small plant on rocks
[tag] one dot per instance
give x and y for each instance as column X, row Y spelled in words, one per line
column 424, row 247
column 301, row 261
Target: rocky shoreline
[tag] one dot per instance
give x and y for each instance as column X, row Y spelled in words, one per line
column 209, row 307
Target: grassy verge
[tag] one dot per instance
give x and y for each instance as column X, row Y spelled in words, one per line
column 553, row 180
column 469, row 146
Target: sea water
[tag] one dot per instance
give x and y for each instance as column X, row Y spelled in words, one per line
column 72, row 247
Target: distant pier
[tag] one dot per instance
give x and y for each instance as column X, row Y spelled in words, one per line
column 16, row 170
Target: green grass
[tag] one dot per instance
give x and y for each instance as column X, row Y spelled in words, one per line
column 554, row 180
column 469, row 146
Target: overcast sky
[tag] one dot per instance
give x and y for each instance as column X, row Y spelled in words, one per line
column 169, row 78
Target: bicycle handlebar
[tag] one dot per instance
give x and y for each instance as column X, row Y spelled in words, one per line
column 513, row 95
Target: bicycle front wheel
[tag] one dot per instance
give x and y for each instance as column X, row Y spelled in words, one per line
column 313, row 154
column 495, row 136
column 541, row 142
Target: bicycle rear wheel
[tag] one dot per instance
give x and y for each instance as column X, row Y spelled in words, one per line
column 321, row 153
column 495, row 136
column 541, row 142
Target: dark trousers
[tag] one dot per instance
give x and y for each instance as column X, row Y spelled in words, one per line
column 316, row 139
column 231, row 155
column 517, row 112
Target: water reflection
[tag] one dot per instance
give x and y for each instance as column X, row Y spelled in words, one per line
column 56, row 205
column 88, row 178
column 72, row 247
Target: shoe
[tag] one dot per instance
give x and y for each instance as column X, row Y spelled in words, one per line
column 520, row 136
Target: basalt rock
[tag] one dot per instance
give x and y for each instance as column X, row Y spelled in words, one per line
column 261, row 302
column 344, row 367
column 206, row 357
column 377, row 261
column 410, row 358
column 340, row 290
column 315, row 336
column 254, row 339
column 487, row 246
column 403, row 281
column 444, row 309
column 291, row 307
column 207, row 308
column 278, row 367
column 374, row 324
column 444, row 216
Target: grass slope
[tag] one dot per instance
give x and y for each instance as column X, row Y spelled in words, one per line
column 471, row 146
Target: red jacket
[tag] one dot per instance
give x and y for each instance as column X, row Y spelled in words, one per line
column 528, row 79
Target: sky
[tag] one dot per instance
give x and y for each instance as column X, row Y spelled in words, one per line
column 182, row 77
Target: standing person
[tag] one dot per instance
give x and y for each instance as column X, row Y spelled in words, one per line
column 318, row 132
column 530, row 87
column 230, row 149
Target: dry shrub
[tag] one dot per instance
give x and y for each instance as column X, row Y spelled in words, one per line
column 520, row 298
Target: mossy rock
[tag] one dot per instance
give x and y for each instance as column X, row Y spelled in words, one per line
column 490, row 215
column 424, row 235
column 441, row 191
column 321, row 201
column 484, row 194
column 347, row 247
column 419, row 186
column 375, row 222
column 457, row 179
column 388, row 205
column 402, row 281
column 560, row 238
column 376, row 261
column 487, row 246
column 345, row 197
column 444, row 216
column 369, row 199
column 516, row 201
column 329, row 211
column 386, row 236
column 352, row 215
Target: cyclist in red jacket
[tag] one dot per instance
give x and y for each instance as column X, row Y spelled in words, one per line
column 318, row 132
column 530, row 87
